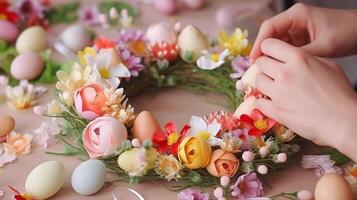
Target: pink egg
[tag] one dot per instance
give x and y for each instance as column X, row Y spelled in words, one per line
column 27, row 66
column 8, row 31
column 193, row 4
column 166, row 6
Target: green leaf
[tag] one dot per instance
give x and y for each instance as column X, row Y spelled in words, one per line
column 336, row 156
column 105, row 6
column 66, row 13
column 133, row 180
column 188, row 56
column 49, row 73
column 195, row 177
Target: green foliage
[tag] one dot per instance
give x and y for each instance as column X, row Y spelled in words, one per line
column 105, row 6
column 335, row 155
column 66, row 13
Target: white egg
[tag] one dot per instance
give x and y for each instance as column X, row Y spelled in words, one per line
column 45, row 180
column 88, row 177
column 32, row 39
column 75, row 37
column 27, row 66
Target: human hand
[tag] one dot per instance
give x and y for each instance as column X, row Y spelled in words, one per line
column 319, row 31
column 310, row 95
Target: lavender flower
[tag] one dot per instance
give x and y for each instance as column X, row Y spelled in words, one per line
column 132, row 62
column 247, row 186
column 89, row 15
column 192, row 194
column 239, row 64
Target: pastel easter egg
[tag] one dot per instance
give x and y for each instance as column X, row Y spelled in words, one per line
column 8, row 31
column 75, row 37
column 145, row 125
column 27, row 66
column 191, row 40
column 248, row 79
column 45, row 180
column 32, row 39
column 88, row 177
column 161, row 32
column 166, row 6
column 7, row 124
column 333, row 187
column 193, row 4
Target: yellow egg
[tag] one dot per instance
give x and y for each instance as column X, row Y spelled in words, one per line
column 333, row 187
column 145, row 125
column 32, row 39
column 7, row 124
column 45, row 180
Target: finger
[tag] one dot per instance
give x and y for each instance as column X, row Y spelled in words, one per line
column 278, row 49
column 268, row 108
column 264, row 84
column 269, row 66
column 276, row 27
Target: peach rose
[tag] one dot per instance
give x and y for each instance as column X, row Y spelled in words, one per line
column 103, row 135
column 223, row 163
column 194, row 152
column 89, row 101
column 18, row 143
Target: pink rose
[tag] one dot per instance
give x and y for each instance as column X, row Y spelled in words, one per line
column 90, row 101
column 103, row 135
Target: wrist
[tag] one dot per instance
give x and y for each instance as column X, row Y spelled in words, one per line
column 347, row 140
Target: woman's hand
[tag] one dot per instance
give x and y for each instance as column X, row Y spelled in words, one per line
column 310, row 95
column 319, row 31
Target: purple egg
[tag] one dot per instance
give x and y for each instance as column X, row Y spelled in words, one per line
column 166, row 6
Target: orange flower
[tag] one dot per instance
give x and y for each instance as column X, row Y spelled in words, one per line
column 223, row 163
column 104, row 43
column 18, row 143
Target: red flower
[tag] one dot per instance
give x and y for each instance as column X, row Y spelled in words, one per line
column 164, row 51
column 226, row 119
column 19, row 196
column 257, row 123
column 168, row 140
column 6, row 14
column 104, row 43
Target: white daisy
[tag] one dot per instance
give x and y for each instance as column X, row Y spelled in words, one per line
column 210, row 61
column 200, row 128
column 107, row 74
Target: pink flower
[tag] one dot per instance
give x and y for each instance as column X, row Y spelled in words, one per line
column 45, row 134
column 6, row 157
column 192, row 194
column 239, row 64
column 132, row 62
column 102, row 136
column 89, row 15
column 247, row 186
column 134, row 40
column 90, row 101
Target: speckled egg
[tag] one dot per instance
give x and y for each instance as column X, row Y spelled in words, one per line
column 166, row 6
column 27, row 66
column 32, row 39
column 88, row 177
column 145, row 125
column 75, row 37
column 45, row 180
column 7, row 124
column 333, row 187
column 8, row 31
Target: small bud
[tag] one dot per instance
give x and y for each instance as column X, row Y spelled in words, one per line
column 113, row 13
column 248, row 156
column 218, row 192
column 225, row 180
column 262, row 169
column 304, row 195
column 136, row 142
column 282, row 157
column 263, row 151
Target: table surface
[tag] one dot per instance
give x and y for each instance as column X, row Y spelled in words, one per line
column 166, row 105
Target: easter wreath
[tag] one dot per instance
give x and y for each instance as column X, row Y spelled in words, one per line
column 92, row 102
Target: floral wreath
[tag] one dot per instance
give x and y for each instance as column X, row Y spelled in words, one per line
column 92, row 101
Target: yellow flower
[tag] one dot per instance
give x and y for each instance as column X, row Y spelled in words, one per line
column 88, row 51
column 168, row 167
column 68, row 83
column 54, row 108
column 237, row 43
column 194, row 152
